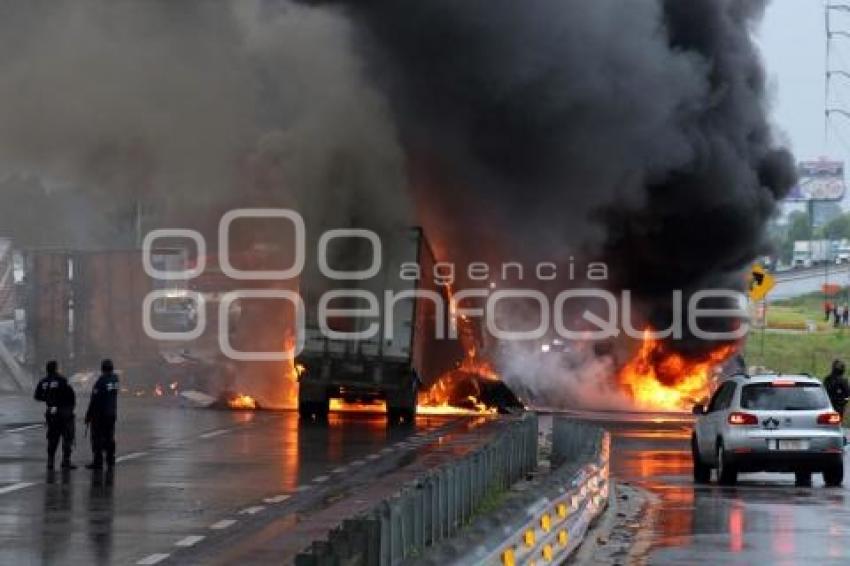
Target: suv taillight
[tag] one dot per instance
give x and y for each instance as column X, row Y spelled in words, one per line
column 829, row 419
column 742, row 419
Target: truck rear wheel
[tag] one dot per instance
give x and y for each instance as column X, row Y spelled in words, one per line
column 305, row 409
column 309, row 410
column 401, row 406
column 313, row 404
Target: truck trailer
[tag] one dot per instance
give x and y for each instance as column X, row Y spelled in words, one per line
column 82, row 306
column 411, row 350
column 808, row 253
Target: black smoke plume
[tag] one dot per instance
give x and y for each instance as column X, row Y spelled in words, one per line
column 630, row 132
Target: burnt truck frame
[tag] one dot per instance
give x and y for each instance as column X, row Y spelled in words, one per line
column 390, row 369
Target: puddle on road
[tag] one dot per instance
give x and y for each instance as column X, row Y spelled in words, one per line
column 764, row 519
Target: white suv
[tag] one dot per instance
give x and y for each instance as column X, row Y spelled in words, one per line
column 773, row 423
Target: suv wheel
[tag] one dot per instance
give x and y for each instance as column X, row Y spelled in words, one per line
column 702, row 473
column 726, row 472
column 803, row 479
column 833, row 475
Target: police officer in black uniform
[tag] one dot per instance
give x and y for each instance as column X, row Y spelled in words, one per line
column 54, row 391
column 837, row 387
column 101, row 415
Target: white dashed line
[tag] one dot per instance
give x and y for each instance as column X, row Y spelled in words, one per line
column 223, row 524
column 15, row 487
column 214, row 433
column 130, row 456
column 23, row 428
column 339, row 470
column 190, row 541
column 252, row 510
column 358, row 463
column 321, row 479
column 386, row 450
column 276, row 499
column 153, row 559
column 372, row 457
column 301, row 488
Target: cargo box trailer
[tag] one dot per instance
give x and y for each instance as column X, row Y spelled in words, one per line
column 410, row 351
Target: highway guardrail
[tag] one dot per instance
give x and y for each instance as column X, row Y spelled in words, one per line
column 434, row 507
column 559, row 521
column 546, row 521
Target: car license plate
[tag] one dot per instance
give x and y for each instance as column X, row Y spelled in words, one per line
column 790, row 445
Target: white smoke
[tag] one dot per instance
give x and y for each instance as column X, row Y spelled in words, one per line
column 566, row 376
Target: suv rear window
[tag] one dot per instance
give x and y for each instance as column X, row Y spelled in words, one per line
column 798, row 397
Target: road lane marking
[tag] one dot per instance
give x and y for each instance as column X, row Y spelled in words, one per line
column 16, row 487
column 372, row 457
column 223, row 524
column 321, row 479
column 301, row 488
column 358, row 463
column 153, row 559
column 23, row 428
column 214, row 433
column 386, row 450
column 252, row 510
column 339, row 470
column 189, row 541
column 276, row 499
column 130, row 456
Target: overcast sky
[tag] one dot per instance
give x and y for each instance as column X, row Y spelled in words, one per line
column 793, row 42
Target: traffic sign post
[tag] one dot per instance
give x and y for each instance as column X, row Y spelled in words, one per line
column 761, row 283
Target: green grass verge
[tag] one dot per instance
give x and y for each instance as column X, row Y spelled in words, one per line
column 800, row 351
column 792, row 353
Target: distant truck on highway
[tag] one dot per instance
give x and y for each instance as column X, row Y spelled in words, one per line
column 808, row 253
column 390, row 368
column 841, row 251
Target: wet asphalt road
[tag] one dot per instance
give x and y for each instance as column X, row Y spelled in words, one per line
column 190, row 484
column 765, row 519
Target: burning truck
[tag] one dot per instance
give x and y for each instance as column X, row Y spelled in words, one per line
column 412, row 360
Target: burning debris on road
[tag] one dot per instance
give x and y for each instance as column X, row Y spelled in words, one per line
column 660, row 379
column 236, row 401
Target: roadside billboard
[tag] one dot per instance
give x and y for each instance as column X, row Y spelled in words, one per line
column 819, row 180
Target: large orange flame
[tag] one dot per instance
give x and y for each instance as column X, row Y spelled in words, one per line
column 660, row 380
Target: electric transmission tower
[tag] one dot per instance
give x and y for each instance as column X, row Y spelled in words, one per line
column 833, row 68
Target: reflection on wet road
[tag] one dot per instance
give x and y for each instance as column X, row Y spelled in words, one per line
column 184, row 478
column 765, row 519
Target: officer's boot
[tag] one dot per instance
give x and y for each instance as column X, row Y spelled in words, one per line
column 66, row 461
column 97, row 464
